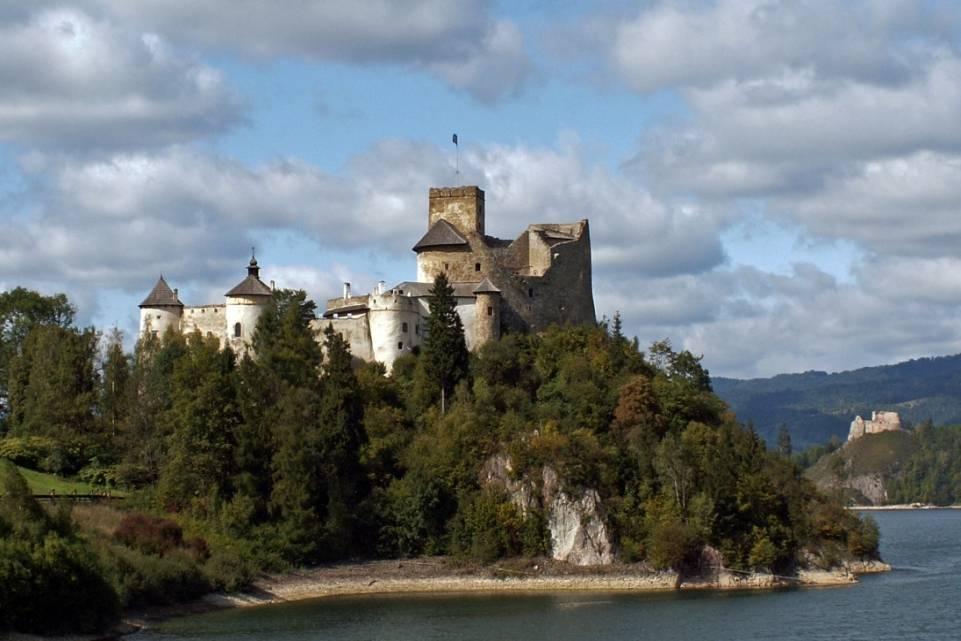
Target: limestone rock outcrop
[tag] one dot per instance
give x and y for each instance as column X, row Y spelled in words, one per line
column 575, row 520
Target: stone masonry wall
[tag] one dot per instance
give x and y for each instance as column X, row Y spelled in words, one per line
column 463, row 207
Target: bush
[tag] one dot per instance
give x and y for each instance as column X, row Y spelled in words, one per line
column 229, row 569
column 144, row 579
column 149, row 534
column 27, row 451
column 53, row 586
column 863, row 538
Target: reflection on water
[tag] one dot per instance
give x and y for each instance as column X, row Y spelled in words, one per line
column 918, row 601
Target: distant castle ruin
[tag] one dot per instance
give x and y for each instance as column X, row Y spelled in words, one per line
column 880, row 422
column 540, row 278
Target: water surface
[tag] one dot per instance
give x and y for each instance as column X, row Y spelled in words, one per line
column 919, row 601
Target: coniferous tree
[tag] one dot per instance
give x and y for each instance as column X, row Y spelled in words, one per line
column 114, row 381
column 204, row 416
column 445, row 355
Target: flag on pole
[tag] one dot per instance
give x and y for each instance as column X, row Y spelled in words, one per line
column 455, row 139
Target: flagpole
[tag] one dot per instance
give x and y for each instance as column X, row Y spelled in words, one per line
column 456, row 155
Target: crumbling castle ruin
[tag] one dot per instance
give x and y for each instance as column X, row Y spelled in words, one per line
column 880, row 422
column 540, row 278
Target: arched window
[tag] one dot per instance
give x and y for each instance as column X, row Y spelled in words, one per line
column 236, row 330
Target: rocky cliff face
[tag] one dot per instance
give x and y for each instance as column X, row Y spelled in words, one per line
column 576, row 523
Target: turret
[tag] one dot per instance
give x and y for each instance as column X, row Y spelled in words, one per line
column 487, row 313
column 161, row 310
column 244, row 305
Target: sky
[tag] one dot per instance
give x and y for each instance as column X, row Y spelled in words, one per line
column 773, row 184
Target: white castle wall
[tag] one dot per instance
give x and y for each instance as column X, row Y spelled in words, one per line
column 209, row 320
column 354, row 328
column 246, row 312
column 159, row 319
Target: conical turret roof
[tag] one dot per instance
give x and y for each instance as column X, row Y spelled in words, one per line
column 161, row 296
column 486, row 287
column 252, row 285
column 441, row 234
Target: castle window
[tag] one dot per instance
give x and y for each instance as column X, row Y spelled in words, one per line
column 403, row 327
column 476, row 267
column 490, row 310
column 236, row 330
column 530, row 292
column 400, row 345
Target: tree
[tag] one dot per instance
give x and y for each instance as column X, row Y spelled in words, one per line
column 53, row 390
column 784, row 440
column 204, row 416
column 114, row 380
column 445, row 355
column 20, row 311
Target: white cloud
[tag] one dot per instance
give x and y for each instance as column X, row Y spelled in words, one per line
column 68, row 79
column 698, row 44
column 457, row 40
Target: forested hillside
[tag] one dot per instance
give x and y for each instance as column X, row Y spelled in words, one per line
column 233, row 466
column 816, row 405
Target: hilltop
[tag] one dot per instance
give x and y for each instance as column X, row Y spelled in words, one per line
column 817, row 405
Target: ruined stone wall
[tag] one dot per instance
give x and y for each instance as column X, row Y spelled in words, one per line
column 463, row 207
column 880, row 422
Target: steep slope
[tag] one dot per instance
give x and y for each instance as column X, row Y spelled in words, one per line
column 864, row 468
column 816, row 405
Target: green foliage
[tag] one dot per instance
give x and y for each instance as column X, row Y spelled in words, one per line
column 489, row 527
column 445, row 358
column 21, row 310
column 52, row 389
column 293, row 456
column 45, row 568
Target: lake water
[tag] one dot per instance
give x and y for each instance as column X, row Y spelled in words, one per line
column 919, row 601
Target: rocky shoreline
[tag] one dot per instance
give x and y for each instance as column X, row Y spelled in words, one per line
column 441, row 576
column 437, row 576
column 902, row 506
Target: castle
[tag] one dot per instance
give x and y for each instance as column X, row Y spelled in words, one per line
column 540, row 278
column 880, row 422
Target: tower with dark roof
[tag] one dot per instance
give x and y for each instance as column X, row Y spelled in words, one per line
column 244, row 305
column 161, row 310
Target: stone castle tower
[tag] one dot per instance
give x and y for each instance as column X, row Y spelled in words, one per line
column 540, row 278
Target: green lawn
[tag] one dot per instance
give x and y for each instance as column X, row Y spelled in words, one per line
column 42, row 483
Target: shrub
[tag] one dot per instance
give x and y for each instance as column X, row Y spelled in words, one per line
column 144, row 579
column 149, row 534
column 26, row 451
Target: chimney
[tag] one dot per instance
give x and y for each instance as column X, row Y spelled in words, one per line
column 346, row 290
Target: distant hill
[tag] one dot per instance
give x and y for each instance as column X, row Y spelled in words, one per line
column 865, row 469
column 816, row 405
